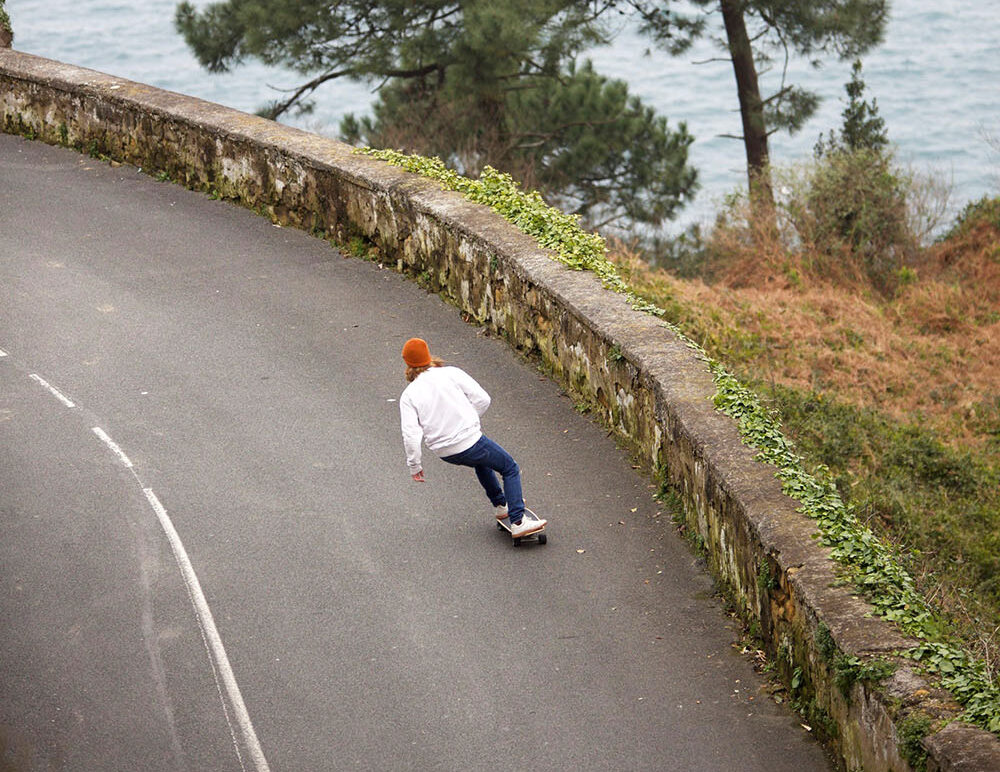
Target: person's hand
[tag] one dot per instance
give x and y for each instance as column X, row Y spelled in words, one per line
column 419, row 476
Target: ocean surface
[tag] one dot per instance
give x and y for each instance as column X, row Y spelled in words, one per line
column 936, row 81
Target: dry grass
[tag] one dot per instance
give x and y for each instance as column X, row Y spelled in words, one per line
column 930, row 353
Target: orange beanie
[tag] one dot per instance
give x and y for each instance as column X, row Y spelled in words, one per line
column 416, row 353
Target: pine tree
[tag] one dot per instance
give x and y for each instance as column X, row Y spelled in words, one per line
column 863, row 127
column 475, row 82
column 755, row 32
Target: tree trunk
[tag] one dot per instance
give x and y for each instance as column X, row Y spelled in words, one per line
column 751, row 105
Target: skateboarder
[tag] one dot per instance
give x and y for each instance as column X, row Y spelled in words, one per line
column 441, row 407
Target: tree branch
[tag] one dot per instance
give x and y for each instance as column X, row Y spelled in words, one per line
column 306, row 88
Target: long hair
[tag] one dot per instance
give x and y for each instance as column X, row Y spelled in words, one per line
column 413, row 372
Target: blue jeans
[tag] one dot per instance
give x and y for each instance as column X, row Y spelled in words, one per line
column 488, row 459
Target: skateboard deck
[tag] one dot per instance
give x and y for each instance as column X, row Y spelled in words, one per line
column 539, row 536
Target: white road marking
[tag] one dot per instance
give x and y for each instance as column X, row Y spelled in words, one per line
column 225, row 680
column 113, row 445
column 213, row 642
column 53, row 390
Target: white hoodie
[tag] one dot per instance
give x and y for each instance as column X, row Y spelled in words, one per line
column 441, row 407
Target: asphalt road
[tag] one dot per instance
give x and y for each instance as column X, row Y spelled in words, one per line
column 212, row 556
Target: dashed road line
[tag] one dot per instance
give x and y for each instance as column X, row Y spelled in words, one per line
column 53, row 390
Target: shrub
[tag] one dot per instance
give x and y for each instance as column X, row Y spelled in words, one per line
column 858, row 205
column 985, row 211
column 856, row 208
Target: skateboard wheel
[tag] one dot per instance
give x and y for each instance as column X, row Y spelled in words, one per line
column 543, row 538
column 517, row 542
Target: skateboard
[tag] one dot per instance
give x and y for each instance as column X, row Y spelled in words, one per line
column 539, row 536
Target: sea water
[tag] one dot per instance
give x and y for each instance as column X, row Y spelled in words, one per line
column 935, row 80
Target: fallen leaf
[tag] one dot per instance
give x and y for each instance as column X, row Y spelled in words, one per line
column 580, row 552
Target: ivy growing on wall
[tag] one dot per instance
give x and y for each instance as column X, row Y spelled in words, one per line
column 868, row 563
column 551, row 228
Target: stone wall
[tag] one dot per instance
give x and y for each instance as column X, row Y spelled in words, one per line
column 645, row 383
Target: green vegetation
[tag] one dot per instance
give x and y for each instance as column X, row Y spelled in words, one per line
column 912, row 730
column 480, row 83
column 856, row 201
column 587, row 145
column 477, row 83
column 6, row 31
column 905, row 481
column 551, row 228
column 875, row 569
column 984, row 212
column 851, row 670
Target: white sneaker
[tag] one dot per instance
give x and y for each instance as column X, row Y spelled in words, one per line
column 501, row 511
column 526, row 527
